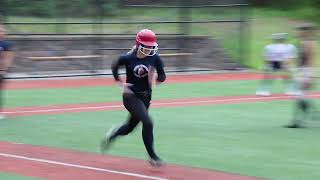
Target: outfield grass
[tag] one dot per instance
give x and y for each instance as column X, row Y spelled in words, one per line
column 233, row 138
column 37, row 97
column 245, row 138
column 6, row 176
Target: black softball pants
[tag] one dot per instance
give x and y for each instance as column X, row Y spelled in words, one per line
column 138, row 104
column 1, row 91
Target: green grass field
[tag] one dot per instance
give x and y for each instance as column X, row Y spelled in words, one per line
column 109, row 94
column 245, row 138
column 15, row 98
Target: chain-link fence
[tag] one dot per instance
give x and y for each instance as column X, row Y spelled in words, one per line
column 86, row 35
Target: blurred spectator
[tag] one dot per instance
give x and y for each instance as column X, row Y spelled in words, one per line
column 304, row 74
column 6, row 58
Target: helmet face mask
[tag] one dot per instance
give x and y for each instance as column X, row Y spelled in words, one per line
column 146, row 42
column 148, row 50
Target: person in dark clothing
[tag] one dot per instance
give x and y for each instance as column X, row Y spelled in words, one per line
column 6, row 58
column 140, row 64
column 304, row 75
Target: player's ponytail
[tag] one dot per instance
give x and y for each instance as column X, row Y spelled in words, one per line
column 132, row 50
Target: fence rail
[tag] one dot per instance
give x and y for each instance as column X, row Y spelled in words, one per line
column 194, row 6
column 120, row 22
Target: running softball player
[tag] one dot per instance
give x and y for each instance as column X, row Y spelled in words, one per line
column 140, row 64
column 6, row 58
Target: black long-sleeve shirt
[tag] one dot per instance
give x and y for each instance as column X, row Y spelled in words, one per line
column 137, row 70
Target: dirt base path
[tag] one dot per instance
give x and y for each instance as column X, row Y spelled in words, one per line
column 103, row 81
column 60, row 164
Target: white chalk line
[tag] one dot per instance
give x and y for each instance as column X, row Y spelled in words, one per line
column 176, row 102
column 80, row 166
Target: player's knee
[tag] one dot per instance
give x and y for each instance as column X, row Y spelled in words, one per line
column 126, row 130
column 126, row 133
column 304, row 106
column 148, row 124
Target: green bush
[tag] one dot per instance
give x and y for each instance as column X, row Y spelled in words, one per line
column 29, row 8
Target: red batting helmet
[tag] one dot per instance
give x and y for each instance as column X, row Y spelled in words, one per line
column 144, row 38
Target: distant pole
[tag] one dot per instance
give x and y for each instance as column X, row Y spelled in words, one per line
column 241, row 36
column 99, row 15
column 3, row 11
column 52, row 13
column 59, row 12
column 245, row 36
column 97, row 28
column 184, row 28
column 184, row 15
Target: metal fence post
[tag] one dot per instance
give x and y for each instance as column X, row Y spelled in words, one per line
column 97, row 29
column 244, row 38
column 3, row 11
column 60, row 28
column 184, row 28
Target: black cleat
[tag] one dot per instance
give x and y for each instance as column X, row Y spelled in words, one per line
column 105, row 145
column 293, row 126
column 107, row 141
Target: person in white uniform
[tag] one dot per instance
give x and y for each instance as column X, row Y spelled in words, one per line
column 279, row 57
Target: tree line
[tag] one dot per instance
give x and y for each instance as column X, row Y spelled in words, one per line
column 83, row 8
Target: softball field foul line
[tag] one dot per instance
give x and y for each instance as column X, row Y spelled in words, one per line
column 80, row 167
column 161, row 104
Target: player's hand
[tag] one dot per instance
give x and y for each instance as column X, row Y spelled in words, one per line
column 125, row 87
